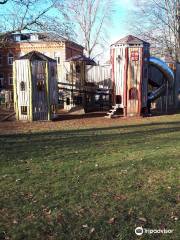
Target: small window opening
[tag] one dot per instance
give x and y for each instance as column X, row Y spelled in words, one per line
column 22, row 86
column 67, row 101
column 24, row 110
column 40, row 85
column 118, row 99
column 133, row 94
column 78, row 68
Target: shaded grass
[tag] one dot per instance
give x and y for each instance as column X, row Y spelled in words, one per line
column 91, row 183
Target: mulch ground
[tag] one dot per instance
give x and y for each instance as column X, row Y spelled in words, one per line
column 66, row 122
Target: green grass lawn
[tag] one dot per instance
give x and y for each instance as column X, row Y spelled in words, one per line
column 96, row 183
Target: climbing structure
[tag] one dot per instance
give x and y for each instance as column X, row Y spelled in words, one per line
column 129, row 59
column 35, row 87
column 138, row 78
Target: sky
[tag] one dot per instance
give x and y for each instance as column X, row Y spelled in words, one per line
column 120, row 19
column 119, row 28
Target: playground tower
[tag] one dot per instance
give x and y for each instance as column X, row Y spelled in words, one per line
column 35, row 87
column 129, row 60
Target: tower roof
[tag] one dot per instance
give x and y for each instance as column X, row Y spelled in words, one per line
column 130, row 39
column 34, row 55
column 82, row 58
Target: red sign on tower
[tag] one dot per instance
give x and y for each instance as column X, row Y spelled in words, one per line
column 134, row 55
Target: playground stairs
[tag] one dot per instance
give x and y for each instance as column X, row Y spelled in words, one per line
column 114, row 112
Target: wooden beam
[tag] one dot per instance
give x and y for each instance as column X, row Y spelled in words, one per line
column 47, row 90
column 15, row 90
column 30, row 112
column 8, row 116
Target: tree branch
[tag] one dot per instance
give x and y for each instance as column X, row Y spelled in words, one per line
column 4, row 2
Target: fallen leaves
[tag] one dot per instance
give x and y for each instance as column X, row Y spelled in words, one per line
column 112, row 220
column 142, row 219
column 18, row 180
column 47, row 214
column 95, row 195
column 178, row 199
column 85, row 226
column 15, row 221
column 92, row 230
column 59, row 218
column 174, row 216
column 120, row 197
column 30, row 217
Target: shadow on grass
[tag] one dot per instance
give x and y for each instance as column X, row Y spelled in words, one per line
column 82, row 140
column 86, row 143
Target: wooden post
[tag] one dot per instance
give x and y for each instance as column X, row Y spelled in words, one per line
column 174, row 89
column 178, row 29
column 141, row 83
column 47, row 90
column 113, row 95
column 177, row 86
column 125, row 81
column 30, row 91
column 167, row 97
column 83, row 84
column 72, row 71
column 15, row 90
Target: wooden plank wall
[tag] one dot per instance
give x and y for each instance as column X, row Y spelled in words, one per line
column 130, row 72
column 39, row 98
column 99, row 75
column 15, row 90
column 65, row 74
column 119, row 72
column 22, row 97
column 62, row 70
column 133, row 81
column 118, row 60
column 53, row 86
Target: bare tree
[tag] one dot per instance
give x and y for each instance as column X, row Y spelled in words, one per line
column 157, row 22
column 29, row 15
column 90, row 18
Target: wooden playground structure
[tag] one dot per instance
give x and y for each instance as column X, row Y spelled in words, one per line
column 124, row 88
column 35, row 87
